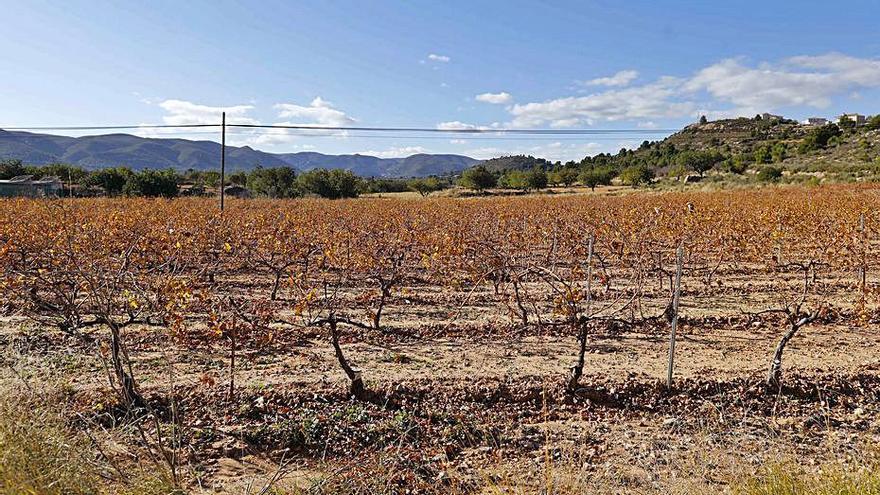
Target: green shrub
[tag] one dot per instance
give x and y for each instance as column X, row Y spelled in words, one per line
column 637, row 175
column 478, row 178
column 424, row 186
column 770, row 174
column 597, row 176
column 277, row 182
column 152, row 183
column 332, row 184
column 111, row 180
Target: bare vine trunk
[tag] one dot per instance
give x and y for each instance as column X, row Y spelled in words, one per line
column 583, row 326
column 774, row 374
column 275, row 285
column 523, row 312
column 128, row 389
column 385, row 293
column 356, row 383
column 232, row 364
column 578, row 369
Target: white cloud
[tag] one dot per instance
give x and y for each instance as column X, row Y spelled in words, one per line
column 319, row 112
column 622, row 78
column 438, row 58
column 455, row 125
column 804, row 80
column 399, row 152
column 494, row 98
column 182, row 112
column 728, row 88
column 651, row 101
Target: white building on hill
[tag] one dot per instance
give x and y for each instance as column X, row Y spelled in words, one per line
column 858, row 118
column 817, row 121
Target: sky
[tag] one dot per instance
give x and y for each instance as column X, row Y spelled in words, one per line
column 647, row 66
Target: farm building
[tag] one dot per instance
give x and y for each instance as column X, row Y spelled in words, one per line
column 26, row 186
column 857, row 118
column 818, row 121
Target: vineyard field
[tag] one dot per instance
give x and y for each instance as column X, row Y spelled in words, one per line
column 450, row 345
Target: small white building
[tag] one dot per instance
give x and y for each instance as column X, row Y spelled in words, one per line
column 858, row 118
column 817, row 121
column 26, row 186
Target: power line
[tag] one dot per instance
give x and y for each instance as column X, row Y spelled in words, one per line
column 243, row 132
column 560, row 132
column 456, row 130
column 105, row 127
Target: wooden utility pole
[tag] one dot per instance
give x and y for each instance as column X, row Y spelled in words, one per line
column 223, row 162
column 675, row 295
column 863, row 266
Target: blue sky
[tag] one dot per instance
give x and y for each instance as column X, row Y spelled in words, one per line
column 581, row 64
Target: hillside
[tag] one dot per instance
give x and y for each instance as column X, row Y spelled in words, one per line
column 513, row 162
column 138, row 153
column 735, row 145
column 753, row 140
column 420, row 165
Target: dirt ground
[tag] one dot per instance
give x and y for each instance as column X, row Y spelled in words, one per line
column 468, row 399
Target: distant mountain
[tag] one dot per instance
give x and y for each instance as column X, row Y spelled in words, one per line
column 139, row 153
column 420, row 165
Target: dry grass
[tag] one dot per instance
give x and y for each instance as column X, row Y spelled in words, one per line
column 40, row 454
column 834, row 479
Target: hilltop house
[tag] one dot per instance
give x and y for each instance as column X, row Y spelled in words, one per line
column 858, row 118
column 26, row 186
column 770, row 116
column 817, row 121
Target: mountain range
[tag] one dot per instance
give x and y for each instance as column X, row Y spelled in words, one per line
column 110, row 150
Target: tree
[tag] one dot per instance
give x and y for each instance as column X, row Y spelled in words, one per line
column 478, row 178
column 211, row 178
column 111, row 180
column 737, row 164
column 536, row 178
column 770, row 174
column 778, row 152
column 240, row 178
column 11, row 168
column 678, row 171
column 698, row 161
column 703, row 120
column 873, row 123
column 637, row 175
column 818, row 138
column 762, row 155
column 331, row 184
column 567, row 176
column 424, row 186
column 597, row 176
column 279, row 182
column 513, row 179
column 152, row 183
